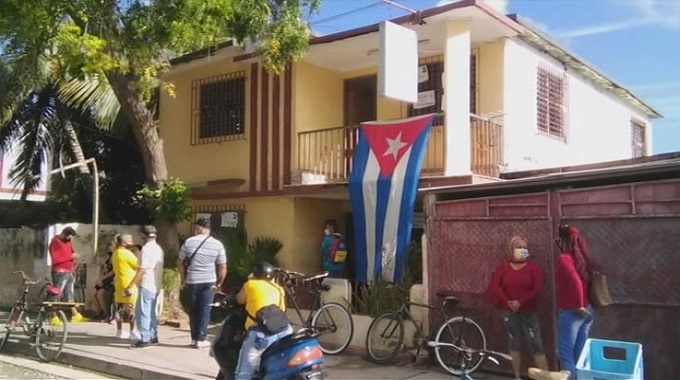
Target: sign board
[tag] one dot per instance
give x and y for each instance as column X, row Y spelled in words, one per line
column 398, row 73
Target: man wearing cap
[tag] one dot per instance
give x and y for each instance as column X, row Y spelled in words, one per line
column 149, row 278
column 63, row 259
column 202, row 265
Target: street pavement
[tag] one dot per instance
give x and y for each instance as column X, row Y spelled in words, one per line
column 13, row 367
column 92, row 346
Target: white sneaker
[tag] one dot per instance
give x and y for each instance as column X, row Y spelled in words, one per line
column 202, row 344
column 135, row 335
column 122, row 334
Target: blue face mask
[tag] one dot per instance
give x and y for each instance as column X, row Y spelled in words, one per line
column 520, row 253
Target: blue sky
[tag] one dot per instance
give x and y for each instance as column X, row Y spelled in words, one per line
column 634, row 42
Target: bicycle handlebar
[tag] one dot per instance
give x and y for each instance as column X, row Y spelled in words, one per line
column 27, row 280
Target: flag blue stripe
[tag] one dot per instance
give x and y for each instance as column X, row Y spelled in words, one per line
column 357, row 202
column 384, row 189
column 408, row 201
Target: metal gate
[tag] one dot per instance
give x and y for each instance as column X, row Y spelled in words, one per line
column 633, row 230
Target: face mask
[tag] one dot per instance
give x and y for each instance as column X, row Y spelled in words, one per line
column 520, row 253
column 327, row 232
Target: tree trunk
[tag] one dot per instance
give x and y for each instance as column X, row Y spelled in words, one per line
column 151, row 145
column 143, row 127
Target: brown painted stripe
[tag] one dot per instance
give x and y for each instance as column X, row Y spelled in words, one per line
column 264, row 124
column 276, row 131
column 253, row 126
column 287, row 122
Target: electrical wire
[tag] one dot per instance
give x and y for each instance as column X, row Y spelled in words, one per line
column 347, row 13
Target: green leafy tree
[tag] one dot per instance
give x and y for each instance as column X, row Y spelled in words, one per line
column 120, row 50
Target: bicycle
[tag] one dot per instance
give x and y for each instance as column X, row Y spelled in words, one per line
column 329, row 319
column 49, row 337
column 450, row 335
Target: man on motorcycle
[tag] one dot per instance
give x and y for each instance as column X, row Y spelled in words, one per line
column 259, row 294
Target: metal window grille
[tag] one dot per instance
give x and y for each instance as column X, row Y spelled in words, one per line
column 551, row 103
column 218, row 108
column 216, row 212
column 435, row 69
column 639, row 141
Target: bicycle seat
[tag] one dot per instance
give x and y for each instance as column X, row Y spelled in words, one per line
column 448, row 298
column 52, row 290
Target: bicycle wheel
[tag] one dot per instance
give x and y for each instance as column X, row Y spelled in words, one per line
column 385, row 337
column 49, row 337
column 4, row 340
column 464, row 333
column 335, row 326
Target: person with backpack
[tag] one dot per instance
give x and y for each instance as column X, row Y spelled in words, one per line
column 333, row 251
column 266, row 320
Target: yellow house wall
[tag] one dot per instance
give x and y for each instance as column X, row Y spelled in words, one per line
column 201, row 162
column 296, row 222
column 310, row 215
column 490, row 77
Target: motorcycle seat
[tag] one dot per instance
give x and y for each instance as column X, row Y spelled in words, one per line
column 287, row 340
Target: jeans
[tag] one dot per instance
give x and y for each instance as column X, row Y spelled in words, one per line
column 146, row 318
column 254, row 345
column 64, row 281
column 572, row 332
column 201, row 296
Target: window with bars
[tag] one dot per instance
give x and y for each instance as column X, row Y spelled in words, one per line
column 639, row 140
column 218, row 108
column 551, row 103
column 223, row 218
column 435, row 68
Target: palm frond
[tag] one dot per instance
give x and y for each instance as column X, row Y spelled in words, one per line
column 95, row 95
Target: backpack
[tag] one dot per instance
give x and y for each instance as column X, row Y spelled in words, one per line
column 337, row 252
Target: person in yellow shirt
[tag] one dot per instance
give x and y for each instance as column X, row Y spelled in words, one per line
column 125, row 263
column 258, row 292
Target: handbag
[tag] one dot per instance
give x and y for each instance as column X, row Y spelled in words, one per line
column 271, row 318
column 187, row 260
column 598, row 291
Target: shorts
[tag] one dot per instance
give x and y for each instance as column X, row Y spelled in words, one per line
column 65, row 282
column 126, row 312
column 518, row 324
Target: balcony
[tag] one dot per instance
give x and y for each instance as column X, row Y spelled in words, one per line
column 325, row 155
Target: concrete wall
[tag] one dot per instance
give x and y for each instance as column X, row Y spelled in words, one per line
column 594, row 116
column 26, row 249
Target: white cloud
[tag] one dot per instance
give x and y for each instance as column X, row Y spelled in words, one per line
column 499, row 5
column 664, row 13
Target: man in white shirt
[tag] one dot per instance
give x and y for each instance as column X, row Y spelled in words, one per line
column 150, row 280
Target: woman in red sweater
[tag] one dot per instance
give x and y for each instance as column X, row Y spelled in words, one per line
column 575, row 315
column 515, row 286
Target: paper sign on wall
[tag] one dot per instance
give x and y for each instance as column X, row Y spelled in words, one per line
column 203, row 215
column 425, row 99
column 423, row 74
column 229, row 219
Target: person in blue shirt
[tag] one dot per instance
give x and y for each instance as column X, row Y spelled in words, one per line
column 334, row 269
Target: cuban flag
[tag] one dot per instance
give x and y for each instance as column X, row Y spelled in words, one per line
column 383, row 186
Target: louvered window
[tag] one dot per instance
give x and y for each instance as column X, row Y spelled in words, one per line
column 551, row 102
column 639, row 142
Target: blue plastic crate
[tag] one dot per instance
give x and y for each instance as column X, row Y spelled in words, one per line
column 593, row 365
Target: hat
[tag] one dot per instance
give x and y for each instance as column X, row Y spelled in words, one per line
column 203, row 221
column 68, row 231
column 149, row 231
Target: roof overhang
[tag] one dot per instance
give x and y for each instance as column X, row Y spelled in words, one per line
column 542, row 42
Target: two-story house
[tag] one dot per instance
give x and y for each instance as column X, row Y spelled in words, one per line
column 273, row 152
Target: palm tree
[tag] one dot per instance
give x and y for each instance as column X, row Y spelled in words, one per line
column 35, row 120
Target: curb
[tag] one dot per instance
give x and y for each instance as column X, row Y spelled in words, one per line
column 94, row 363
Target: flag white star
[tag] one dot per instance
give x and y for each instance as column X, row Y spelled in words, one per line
column 395, row 146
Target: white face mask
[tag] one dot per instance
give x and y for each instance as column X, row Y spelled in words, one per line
column 520, row 253
column 327, row 232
